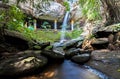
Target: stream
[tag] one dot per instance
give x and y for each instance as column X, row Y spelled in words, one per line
column 68, row 70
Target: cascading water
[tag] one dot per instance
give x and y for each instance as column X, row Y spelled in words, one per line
column 64, row 25
column 65, row 21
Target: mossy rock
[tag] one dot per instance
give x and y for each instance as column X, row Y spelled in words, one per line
column 111, row 28
column 106, row 31
column 22, row 63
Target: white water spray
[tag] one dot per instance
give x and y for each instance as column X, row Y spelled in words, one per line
column 64, row 25
column 65, row 21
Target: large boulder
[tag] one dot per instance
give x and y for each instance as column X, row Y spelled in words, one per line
column 81, row 58
column 53, row 55
column 22, row 63
column 73, row 43
column 40, row 45
column 114, row 41
column 76, row 11
column 71, row 52
column 106, row 31
column 44, row 10
column 50, row 10
column 106, row 61
column 58, row 48
column 100, row 43
column 15, row 41
column 76, row 51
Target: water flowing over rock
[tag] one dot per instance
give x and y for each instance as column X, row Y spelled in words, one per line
column 58, row 48
column 44, row 10
column 107, row 62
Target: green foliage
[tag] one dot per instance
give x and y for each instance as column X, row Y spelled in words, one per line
column 23, row 1
column 40, row 35
column 115, row 27
column 118, row 70
column 26, row 32
column 46, row 25
column 118, row 27
column 91, row 36
column 49, row 47
column 46, row 35
column 2, row 18
column 12, row 18
column 90, row 9
column 16, row 18
column 74, row 34
column 31, row 28
column 67, row 6
column 5, row 1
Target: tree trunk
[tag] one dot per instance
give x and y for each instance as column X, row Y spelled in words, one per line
column 112, row 11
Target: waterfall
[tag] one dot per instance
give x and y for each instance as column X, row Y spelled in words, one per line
column 65, row 21
column 64, row 25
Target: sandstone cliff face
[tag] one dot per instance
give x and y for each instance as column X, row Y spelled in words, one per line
column 51, row 10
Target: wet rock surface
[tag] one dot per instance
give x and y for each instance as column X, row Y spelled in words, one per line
column 71, row 52
column 65, row 70
column 58, row 48
column 107, row 62
column 25, row 62
column 15, row 42
column 52, row 55
column 22, row 63
column 101, row 60
column 40, row 45
column 72, row 43
column 106, row 31
column 100, row 43
column 81, row 58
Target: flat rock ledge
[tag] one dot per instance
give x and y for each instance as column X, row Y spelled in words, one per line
column 107, row 62
column 22, row 63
